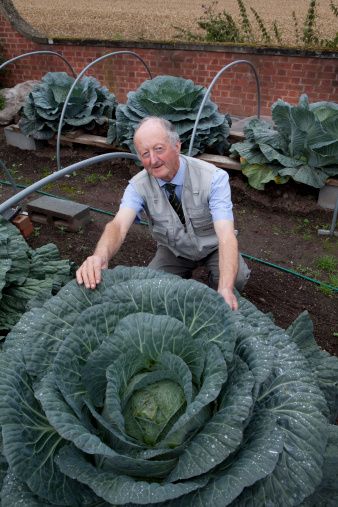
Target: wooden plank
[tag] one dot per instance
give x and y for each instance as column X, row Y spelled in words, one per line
column 237, row 135
column 91, row 140
column 221, row 161
column 332, row 181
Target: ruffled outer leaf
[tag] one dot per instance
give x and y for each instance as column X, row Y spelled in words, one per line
column 88, row 104
column 178, row 100
column 303, row 144
column 250, row 423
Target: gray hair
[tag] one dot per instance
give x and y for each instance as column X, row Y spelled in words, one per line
column 167, row 126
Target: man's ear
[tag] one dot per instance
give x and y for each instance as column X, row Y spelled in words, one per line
column 178, row 146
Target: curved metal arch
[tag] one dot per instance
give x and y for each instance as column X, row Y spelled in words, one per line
column 63, row 112
column 42, row 52
column 15, row 199
column 218, row 75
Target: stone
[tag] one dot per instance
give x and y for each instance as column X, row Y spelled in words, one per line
column 69, row 215
column 15, row 98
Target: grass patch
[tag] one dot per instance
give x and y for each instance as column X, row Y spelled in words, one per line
column 327, row 263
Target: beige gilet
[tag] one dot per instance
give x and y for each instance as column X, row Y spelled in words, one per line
column 195, row 239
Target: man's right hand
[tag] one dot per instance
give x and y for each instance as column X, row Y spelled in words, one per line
column 89, row 273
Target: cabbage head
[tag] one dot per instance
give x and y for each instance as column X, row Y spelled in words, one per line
column 90, row 104
column 178, row 100
column 150, row 391
column 302, row 145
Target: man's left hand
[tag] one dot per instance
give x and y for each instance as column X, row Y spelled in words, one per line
column 229, row 297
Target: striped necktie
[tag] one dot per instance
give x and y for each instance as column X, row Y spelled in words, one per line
column 174, row 201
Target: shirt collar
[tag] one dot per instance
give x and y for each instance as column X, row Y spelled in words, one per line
column 178, row 179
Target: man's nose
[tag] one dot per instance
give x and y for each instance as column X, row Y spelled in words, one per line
column 153, row 157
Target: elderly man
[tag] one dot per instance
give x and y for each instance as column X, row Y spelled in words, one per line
column 188, row 205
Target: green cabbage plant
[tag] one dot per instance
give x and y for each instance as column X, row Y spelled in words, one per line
column 150, row 391
column 27, row 276
column 302, row 144
column 90, row 104
column 178, row 100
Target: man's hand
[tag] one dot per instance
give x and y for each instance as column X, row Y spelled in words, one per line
column 89, row 273
column 229, row 298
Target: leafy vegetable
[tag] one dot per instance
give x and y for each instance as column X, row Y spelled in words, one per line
column 178, row 100
column 89, row 104
column 150, row 391
column 303, row 145
column 27, row 277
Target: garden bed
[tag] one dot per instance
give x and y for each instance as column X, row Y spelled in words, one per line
column 278, row 225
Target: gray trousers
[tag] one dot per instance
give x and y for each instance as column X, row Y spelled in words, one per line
column 165, row 260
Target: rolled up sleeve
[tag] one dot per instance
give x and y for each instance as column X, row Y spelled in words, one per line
column 220, row 203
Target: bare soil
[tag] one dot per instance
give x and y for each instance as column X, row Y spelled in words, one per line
column 278, row 225
column 152, row 20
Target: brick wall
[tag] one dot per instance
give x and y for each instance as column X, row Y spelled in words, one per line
column 283, row 73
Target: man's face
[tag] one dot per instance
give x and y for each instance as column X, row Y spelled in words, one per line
column 158, row 155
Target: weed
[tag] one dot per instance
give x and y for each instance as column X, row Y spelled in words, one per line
column 295, row 22
column 277, row 33
column 265, row 35
column 45, row 171
column 68, row 189
column 334, row 280
column 49, row 187
column 92, row 178
column 330, row 245
column 327, row 263
column 309, row 29
column 308, row 271
column 61, row 228
column 246, row 25
column 36, row 231
column 304, row 228
column 221, row 27
column 326, row 290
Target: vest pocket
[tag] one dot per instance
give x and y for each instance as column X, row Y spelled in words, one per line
column 160, row 233
column 202, row 223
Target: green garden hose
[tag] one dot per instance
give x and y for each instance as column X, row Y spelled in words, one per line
column 246, row 256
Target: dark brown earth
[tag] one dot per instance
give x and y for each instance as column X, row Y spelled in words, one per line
column 278, row 225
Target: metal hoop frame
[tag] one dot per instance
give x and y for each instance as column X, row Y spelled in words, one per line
column 218, row 75
column 83, row 71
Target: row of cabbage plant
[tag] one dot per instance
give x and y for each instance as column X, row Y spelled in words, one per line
column 90, row 105
column 300, row 143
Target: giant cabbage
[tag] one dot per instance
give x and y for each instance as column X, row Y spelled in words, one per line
column 302, row 144
column 90, row 104
column 150, row 391
column 178, row 100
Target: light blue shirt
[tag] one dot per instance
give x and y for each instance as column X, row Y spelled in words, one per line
column 220, row 204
